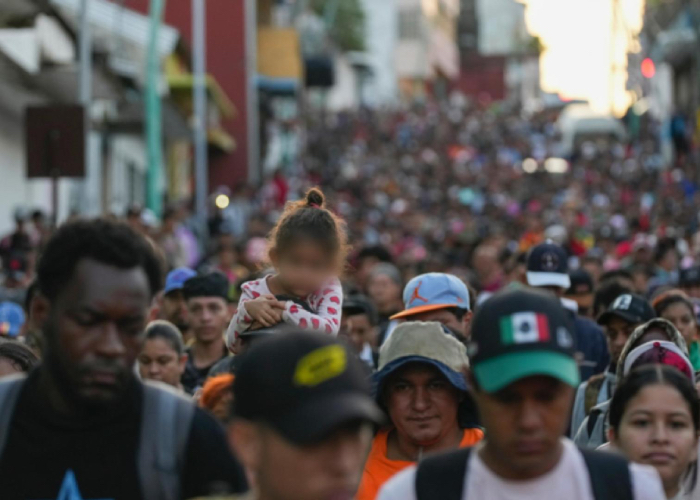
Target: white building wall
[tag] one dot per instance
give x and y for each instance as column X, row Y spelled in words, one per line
column 382, row 37
column 502, row 28
column 344, row 94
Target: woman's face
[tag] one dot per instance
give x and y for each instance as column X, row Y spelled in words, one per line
column 683, row 319
column 159, row 361
column 657, row 429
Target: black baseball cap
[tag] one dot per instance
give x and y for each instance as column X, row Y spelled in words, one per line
column 214, row 284
column 629, row 307
column 359, row 304
column 522, row 333
column 689, row 276
column 304, row 385
column 547, row 265
column 581, row 283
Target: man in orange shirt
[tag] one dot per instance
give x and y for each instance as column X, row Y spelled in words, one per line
column 421, row 387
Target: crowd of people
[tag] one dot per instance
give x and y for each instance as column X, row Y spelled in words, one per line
column 443, row 317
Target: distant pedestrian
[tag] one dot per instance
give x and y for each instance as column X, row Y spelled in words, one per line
column 162, row 357
column 209, row 312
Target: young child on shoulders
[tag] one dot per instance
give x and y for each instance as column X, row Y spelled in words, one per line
column 307, row 249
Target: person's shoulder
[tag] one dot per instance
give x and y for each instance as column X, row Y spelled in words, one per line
column 587, row 323
column 400, row 487
column 646, row 483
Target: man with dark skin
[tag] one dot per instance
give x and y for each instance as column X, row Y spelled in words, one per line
column 523, row 377
column 76, row 418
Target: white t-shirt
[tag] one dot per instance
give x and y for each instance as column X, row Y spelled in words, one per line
column 568, row 480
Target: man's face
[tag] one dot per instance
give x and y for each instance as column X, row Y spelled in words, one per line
column 94, row 330
column 447, row 318
column 358, row 330
column 524, row 423
column 693, row 290
column 174, row 309
column 331, row 470
column 383, row 290
column 422, row 404
column 617, row 331
column 209, row 317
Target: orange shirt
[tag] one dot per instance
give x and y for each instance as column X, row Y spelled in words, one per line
column 379, row 469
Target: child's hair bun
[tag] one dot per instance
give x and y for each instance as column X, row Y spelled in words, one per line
column 314, row 198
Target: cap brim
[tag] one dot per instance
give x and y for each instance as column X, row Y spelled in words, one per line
column 496, row 373
column 455, row 378
column 312, row 422
column 604, row 318
column 422, row 309
column 548, row 279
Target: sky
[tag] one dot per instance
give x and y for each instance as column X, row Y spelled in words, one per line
column 580, row 48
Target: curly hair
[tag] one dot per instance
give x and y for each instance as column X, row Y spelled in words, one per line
column 105, row 241
column 18, row 355
column 310, row 219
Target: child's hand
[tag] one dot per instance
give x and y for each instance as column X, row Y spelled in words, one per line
column 266, row 310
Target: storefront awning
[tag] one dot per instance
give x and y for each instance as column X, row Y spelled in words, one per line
column 279, row 56
column 185, row 82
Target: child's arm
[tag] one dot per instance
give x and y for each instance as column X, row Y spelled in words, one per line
column 327, row 303
column 241, row 321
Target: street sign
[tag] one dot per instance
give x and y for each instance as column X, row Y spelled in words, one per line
column 55, row 141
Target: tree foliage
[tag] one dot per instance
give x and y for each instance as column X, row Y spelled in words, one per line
column 347, row 28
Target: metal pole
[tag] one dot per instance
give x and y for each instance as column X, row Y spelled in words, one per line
column 199, row 90
column 79, row 187
column 251, row 41
column 85, row 51
column 154, row 125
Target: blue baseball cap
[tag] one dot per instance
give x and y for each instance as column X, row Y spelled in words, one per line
column 433, row 291
column 11, row 319
column 177, row 277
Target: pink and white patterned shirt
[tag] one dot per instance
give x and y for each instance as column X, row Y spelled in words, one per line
column 325, row 304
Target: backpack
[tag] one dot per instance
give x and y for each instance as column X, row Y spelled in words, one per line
column 595, row 383
column 442, row 477
column 166, row 419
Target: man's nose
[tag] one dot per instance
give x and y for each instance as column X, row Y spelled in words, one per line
column 529, row 418
column 421, row 399
column 110, row 343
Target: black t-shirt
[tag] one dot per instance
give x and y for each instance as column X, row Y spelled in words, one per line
column 97, row 456
column 194, row 377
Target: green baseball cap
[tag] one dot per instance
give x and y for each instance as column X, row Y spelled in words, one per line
column 522, row 333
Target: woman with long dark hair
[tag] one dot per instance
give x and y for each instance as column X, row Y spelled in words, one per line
column 654, row 418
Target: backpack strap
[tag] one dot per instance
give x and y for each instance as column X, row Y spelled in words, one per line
column 610, row 475
column 442, row 477
column 10, row 388
column 590, row 398
column 166, row 419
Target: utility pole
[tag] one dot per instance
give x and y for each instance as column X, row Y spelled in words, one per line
column 253, row 121
column 199, row 97
column 154, row 126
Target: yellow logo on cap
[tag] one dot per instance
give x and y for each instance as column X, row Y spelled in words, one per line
column 320, row 365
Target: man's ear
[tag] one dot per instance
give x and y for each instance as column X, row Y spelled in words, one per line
column 39, row 310
column 467, row 323
column 245, row 439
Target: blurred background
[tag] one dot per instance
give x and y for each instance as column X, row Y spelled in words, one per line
column 444, row 131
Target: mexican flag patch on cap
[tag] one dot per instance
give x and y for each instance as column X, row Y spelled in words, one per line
column 524, row 328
